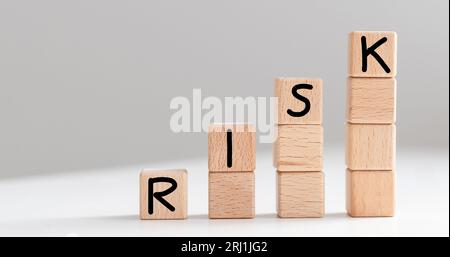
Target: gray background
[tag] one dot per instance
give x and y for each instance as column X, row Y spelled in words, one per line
column 87, row 84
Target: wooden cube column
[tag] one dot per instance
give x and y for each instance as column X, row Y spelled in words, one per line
column 231, row 165
column 371, row 118
column 298, row 150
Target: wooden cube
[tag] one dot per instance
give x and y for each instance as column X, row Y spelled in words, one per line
column 299, row 148
column 231, row 195
column 371, row 100
column 370, row 193
column 231, row 147
column 372, row 54
column 163, row 194
column 299, row 100
column 300, row 194
column 370, row 147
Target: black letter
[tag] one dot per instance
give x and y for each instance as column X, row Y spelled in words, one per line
column 229, row 148
column 301, row 98
column 159, row 195
column 371, row 51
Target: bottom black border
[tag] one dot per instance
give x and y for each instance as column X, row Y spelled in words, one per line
column 233, row 246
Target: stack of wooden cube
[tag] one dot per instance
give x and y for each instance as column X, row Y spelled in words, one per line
column 231, row 165
column 298, row 150
column 371, row 114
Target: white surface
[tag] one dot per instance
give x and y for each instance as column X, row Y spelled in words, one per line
column 105, row 202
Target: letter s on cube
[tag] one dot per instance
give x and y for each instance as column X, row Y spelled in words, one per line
column 299, row 101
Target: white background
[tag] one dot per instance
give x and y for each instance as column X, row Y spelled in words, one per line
column 87, row 84
column 85, row 88
column 105, row 203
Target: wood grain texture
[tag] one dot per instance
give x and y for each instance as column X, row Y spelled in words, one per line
column 299, row 148
column 300, row 194
column 177, row 198
column 371, row 193
column 371, row 100
column 387, row 51
column 370, row 147
column 286, row 100
column 231, row 195
column 243, row 147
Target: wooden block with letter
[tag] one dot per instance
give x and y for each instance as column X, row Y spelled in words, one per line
column 231, row 147
column 300, row 194
column 370, row 193
column 372, row 54
column 370, row 147
column 299, row 148
column 163, row 194
column 231, row 195
column 299, row 100
column 371, row 100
